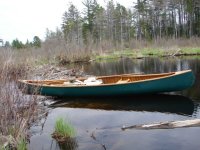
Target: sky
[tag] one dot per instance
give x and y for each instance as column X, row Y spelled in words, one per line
column 24, row 19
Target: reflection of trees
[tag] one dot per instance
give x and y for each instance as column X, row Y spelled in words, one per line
column 194, row 64
column 149, row 65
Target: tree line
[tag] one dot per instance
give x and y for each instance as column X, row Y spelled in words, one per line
column 144, row 20
column 17, row 44
column 117, row 25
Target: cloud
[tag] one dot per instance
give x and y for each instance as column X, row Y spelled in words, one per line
column 24, row 19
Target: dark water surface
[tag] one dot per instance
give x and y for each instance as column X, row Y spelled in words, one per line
column 98, row 121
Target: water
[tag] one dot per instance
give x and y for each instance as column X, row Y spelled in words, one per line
column 98, row 121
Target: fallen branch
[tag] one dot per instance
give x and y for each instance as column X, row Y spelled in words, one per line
column 166, row 125
column 176, row 52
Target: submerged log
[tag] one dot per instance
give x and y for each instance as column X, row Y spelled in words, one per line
column 166, row 125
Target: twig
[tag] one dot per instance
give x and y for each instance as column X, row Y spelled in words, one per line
column 46, row 114
column 176, row 52
column 95, row 139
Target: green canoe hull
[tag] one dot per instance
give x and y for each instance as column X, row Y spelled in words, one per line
column 168, row 84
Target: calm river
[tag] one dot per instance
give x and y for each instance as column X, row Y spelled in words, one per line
column 98, row 121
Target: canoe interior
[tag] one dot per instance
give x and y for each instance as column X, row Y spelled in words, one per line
column 131, row 78
column 106, row 79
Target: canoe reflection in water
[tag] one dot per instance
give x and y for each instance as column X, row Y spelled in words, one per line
column 153, row 103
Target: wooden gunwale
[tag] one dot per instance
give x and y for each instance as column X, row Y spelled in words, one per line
column 154, row 77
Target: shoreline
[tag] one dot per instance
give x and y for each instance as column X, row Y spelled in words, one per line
column 145, row 53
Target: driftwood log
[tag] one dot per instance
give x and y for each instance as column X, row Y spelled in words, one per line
column 165, row 125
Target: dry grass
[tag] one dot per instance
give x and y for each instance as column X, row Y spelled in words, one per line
column 165, row 43
column 17, row 111
column 57, row 51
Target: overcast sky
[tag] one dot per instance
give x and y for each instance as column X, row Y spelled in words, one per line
column 24, row 19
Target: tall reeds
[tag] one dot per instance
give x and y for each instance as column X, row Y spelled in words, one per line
column 17, row 111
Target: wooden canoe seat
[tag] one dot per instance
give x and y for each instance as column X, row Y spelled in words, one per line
column 123, row 81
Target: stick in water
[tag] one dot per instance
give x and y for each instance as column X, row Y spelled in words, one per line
column 166, row 125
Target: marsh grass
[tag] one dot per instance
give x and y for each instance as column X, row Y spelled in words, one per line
column 57, row 51
column 157, row 48
column 22, row 144
column 17, row 111
column 64, row 130
column 191, row 50
column 69, row 58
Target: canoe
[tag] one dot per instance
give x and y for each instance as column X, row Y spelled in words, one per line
column 113, row 85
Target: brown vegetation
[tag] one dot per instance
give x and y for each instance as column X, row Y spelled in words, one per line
column 67, row 53
column 17, row 111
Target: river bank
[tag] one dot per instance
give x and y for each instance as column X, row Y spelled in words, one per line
column 149, row 52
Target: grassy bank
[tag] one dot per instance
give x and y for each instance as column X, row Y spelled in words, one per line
column 149, row 52
column 60, row 53
column 157, row 48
